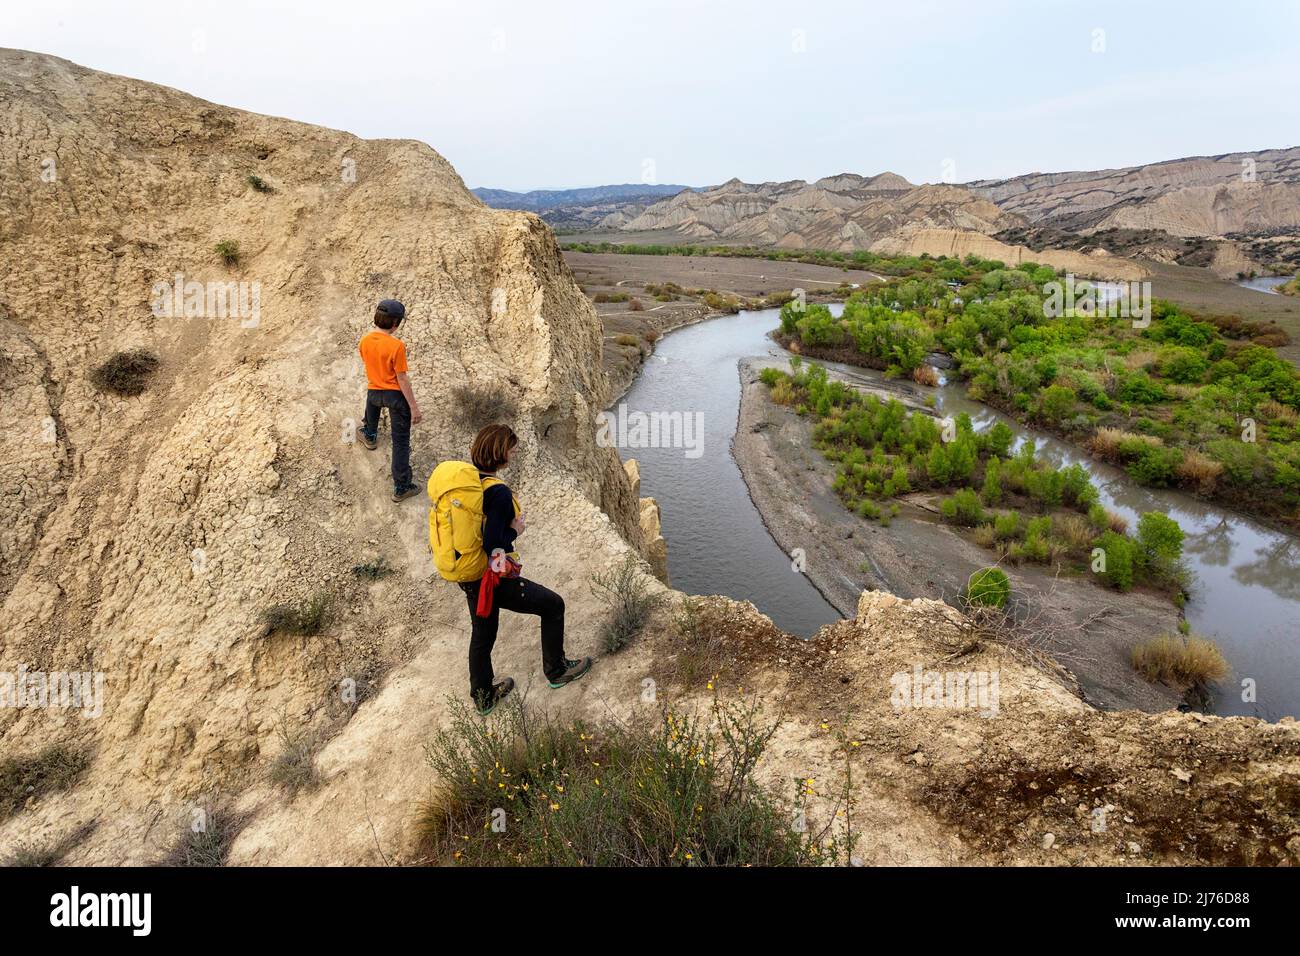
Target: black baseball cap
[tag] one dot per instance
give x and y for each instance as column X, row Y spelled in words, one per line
column 392, row 307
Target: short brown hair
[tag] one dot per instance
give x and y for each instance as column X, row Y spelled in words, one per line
column 490, row 445
column 385, row 321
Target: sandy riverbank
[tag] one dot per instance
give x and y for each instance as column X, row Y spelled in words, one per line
column 1089, row 630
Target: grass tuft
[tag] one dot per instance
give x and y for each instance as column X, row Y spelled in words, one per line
column 23, row 779
column 626, row 592
column 1183, row 661
column 483, row 406
column 374, row 570
column 294, row 768
column 228, row 251
column 306, row 619
column 32, row 854
column 207, row 837
column 125, row 373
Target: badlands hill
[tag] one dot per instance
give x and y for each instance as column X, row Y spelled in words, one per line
column 841, row 212
column 1201, row 196
column 143, row 537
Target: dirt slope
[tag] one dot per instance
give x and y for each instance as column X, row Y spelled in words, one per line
column 147, row 534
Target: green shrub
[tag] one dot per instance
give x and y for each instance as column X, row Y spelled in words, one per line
column 625, row 591
column 1056, row 402
column 259, row 184
column 1156, row 466
column 998, row 439
column 991, row 492
column 305, row 619
column 937, row 466
column 1007, row 526
column 963, row 508
column 1119, row 560
column 1181, row 364
column 228, row 251
column 1160, row 537
column 522, row 789
column 373, row 570
column 1243, row 462
column 988, row 587
column 1140, row 389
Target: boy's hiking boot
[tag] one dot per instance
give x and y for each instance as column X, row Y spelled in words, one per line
column 572, row 671
column 407, row 492
column 500, row 691
column 371, row 443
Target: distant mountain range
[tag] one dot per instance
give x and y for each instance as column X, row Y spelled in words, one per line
column 582, row 208
column 1247, row 203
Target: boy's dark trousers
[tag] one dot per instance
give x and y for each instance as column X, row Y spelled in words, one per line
column 399, row 417
column 523, row 597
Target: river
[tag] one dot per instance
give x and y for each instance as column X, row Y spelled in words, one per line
column 1246, row 595
column 1265, row 283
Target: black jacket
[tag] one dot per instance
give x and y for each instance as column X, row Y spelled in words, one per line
column 498, row 512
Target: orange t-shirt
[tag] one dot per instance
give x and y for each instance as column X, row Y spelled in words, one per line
column 385, row 357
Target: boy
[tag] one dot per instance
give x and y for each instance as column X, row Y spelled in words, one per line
column 384, row 355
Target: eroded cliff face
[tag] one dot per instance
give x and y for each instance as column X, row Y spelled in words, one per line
column 961, row 243
column 143, row 537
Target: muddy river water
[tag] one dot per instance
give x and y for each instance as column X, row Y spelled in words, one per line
column 1246, row 593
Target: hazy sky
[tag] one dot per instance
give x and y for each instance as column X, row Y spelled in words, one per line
column 523, row 95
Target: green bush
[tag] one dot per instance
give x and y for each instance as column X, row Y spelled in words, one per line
column 1140, row 389
column 938, row 467
column 991, row 491
column 626, row 592
column 1181, row 364
column 998, row 439
column 228, row 251
column 1160, row 537
column 1156, row 466
column 522, row 789
column 305, row 619
column 1244, row 463
column 963, row 508
column 1119, row 560
column 1056, row 402
column 988, row 587
column 1007, row 526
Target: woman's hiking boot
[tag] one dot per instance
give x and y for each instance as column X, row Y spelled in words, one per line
column 500, row 691
column 572, row 671
column 408, row 492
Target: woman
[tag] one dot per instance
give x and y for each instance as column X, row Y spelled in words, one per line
column 503, row 521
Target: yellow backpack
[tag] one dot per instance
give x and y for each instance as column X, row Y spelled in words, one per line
column 456, row 520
